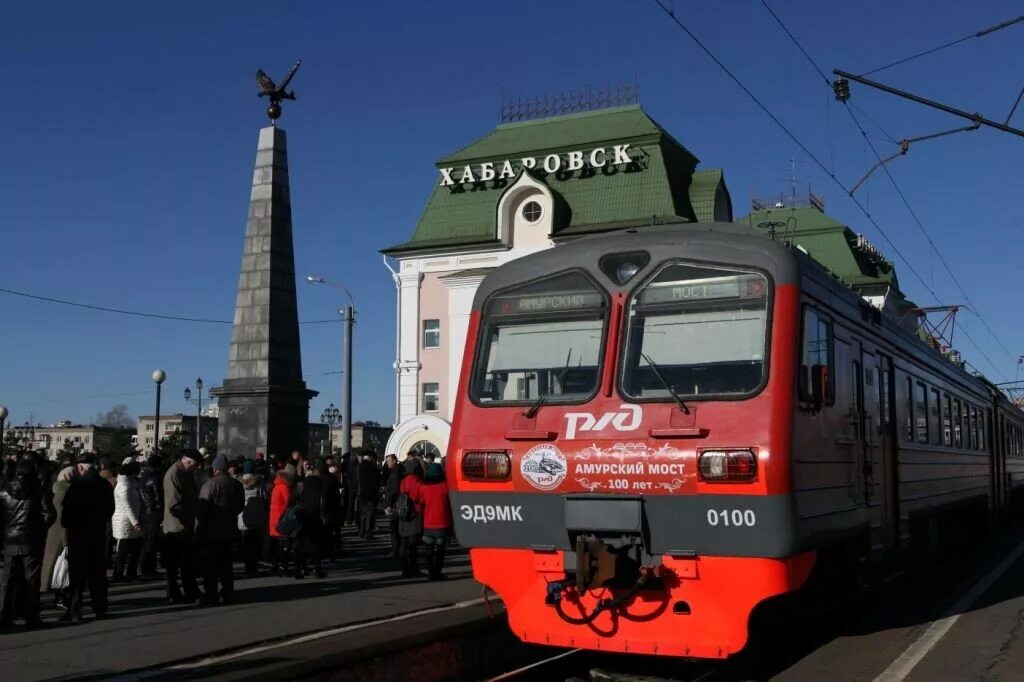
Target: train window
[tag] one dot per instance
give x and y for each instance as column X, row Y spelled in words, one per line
column 909, row 431
column 947, row 420
column 541, row 339
column 885, row 391
column 967, row 425
column 982, row 427
column 700, row 330
column 921, row 413
column 957, row 421
column 933, row 417
column 818, row 349
column 974, row 428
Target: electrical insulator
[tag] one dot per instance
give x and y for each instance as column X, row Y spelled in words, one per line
column 841, row 87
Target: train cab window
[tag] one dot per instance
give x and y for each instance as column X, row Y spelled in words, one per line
column 542, row 339
column 933, row 417
column 818, row 349
column 696, row 331
column 947, row 420
column 921, row 412
column 957, row 421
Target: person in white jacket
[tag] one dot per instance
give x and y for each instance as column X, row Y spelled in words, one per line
column 127, row 521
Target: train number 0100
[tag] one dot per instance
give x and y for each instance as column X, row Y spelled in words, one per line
column 732, row 517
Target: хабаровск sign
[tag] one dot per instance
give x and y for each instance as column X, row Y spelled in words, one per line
column 552, row 163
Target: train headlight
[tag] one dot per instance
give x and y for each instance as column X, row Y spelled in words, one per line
column 622, row 267
column 727, row 466
column 491, row 465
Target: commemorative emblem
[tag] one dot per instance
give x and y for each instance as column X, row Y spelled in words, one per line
column 544, row 467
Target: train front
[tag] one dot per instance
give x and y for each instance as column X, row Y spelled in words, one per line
column 619, row 458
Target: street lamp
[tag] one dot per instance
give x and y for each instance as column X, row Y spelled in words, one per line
column 199, row 407
column 348, row 316
column 330, row 416
column 158, row 378
column 3, row 418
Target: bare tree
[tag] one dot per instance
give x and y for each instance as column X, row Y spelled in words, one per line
column 117, row 416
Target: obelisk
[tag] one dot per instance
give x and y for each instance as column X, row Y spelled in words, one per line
column 264, row 402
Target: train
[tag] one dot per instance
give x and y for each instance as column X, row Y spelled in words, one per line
column 659, row 429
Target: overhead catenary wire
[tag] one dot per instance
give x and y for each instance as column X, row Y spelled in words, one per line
column 978, row 34
column 134, row 313
column 899, row 190
column 785, row 129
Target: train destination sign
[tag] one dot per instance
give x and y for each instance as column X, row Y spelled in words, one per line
column 544, row 303
column 598, row 157
column 704, row 290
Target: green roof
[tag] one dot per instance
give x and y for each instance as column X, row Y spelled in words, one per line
column 834, row 245
column 659, row 185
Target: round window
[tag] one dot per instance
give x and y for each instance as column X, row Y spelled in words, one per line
column 532, row 211
column 426, row 449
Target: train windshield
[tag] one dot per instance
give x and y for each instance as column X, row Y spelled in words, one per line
column 702, row 329
column 541, row 339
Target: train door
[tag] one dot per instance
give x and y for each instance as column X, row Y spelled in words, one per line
column 867, row 406
column 886, row 465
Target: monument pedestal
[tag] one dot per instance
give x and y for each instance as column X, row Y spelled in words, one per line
column 264, row 402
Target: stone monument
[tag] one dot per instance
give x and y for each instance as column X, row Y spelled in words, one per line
column 264, row 402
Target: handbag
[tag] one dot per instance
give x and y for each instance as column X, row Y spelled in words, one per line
column 290, row 523
column 61, row 580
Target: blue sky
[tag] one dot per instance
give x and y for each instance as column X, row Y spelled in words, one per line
column 130, row 132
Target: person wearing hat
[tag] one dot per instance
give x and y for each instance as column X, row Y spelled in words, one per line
column 88, row 507
column 437, row 518
column 151, row 490
column 221, row 500
column 181, row 497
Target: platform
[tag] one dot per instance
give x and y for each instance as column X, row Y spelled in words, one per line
column 146, row 638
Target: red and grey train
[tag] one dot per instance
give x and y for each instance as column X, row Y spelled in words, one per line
column 661, row 428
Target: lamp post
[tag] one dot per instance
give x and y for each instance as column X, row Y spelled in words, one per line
column 3, row 418
column 199, row 408
column 158, row 378
column 330, row 416
column 348, row 316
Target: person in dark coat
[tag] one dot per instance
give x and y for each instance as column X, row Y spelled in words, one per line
column 369, row 493
column 88, row 507
column 410, row 527
column 332, row 509
column 347, row 467
column 392, row 484
column 152, row 490
column 221, row 500
column 26, row 514
column 310, row 493
column 181, row 498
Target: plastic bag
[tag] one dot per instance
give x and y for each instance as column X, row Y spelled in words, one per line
column 61, row 580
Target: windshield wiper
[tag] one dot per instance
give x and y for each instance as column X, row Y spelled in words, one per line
column 543, row 398
column 664, row 382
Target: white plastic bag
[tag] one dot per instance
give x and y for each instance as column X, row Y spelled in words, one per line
column 61, row 580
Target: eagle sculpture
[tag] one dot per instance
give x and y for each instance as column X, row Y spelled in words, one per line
column 275, row 92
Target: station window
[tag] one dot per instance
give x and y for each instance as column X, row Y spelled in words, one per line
column 947, row 420
column 933, row 417
column 921, row 413
column 818, row 350
column 431, row 333
column 431, row 397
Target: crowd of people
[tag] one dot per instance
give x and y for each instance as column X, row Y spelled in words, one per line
column 62, row 525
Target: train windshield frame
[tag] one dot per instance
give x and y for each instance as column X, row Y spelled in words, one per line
column 545, row 338
column 704, row 329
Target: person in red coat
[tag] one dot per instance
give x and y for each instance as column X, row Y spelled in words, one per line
column 432, row 497
column 280, row 499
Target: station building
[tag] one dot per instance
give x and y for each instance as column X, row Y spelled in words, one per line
column 523, row 187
